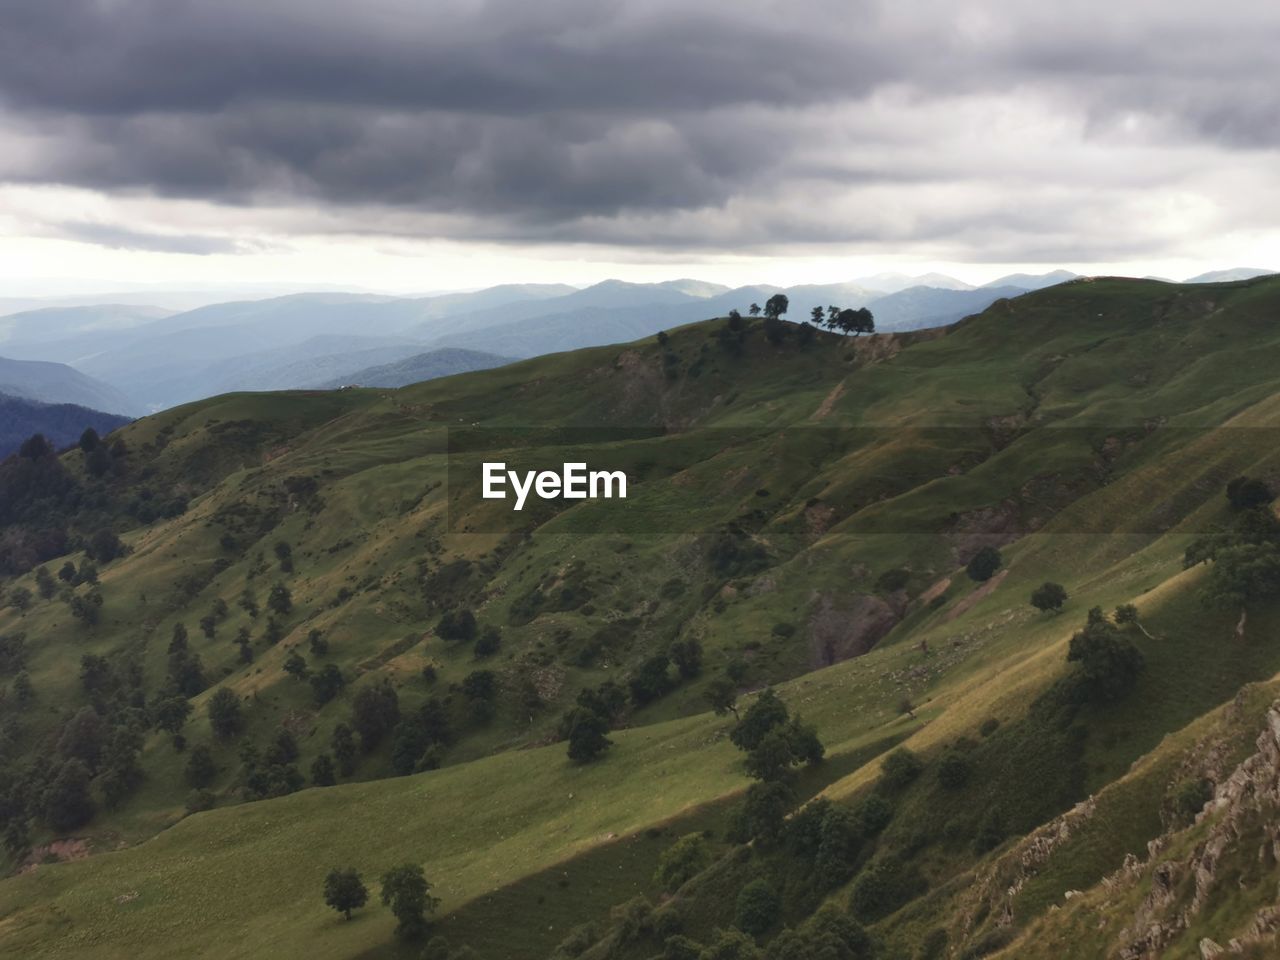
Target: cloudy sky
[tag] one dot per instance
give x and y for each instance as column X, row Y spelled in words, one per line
column 405, row 144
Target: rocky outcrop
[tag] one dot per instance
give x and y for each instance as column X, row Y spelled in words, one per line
column 1245, row 807
column 998, row 886
column 851, row 627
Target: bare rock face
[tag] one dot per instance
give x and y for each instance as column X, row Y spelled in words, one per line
column 1249, row 797
column 1001, row 882
column 838, row 631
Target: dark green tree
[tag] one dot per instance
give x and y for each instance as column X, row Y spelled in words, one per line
column 682, row 861
column 651, row 681
column 1108, row 663
column 406, row 891
column 343, row 742
column 68, row 803
column 1246, row 493
column 45, row 584
column 295, row 665
column 687, row 656
column 225, row 716
column 766, row 712
column 374, row 711
column 488, row 642
column 323, row 773
column 758, row 908
column 327, row 683
column 722, row 695
column 983, row 564
column 201, row 769
column 1049, row 596
column 586, row 730
column 280, row 600
column 899, row 768
column 480, row 687
column 345, row 891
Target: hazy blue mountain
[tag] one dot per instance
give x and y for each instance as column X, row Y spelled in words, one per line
column 695, row 288
column 1225, row 276
column 883, row 283
column 59, row 383
column 570, row 330
column 444, row 362
column 57, row 323
column 61, row 423
column 448, row 304
column 606, row 295
column 1032, row 281
column 918, row 307
column 310, row 363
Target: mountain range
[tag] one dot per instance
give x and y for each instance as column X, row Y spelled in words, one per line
column 156, row 357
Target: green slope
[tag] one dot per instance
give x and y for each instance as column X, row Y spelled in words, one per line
column 776, row 486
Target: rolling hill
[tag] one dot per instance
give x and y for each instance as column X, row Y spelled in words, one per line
column 415, row 369
column 802, row 512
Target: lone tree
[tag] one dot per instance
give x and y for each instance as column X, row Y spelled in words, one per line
column 1049, row 596
column 754, row 309
column 586, row 730
column 406, row 891
column 1109, row 664
column 345, row 891
column 296, row 665
column 1245, row 493
column 722, row 694
column 1126, row 615
column 280, row 599
column 773, row 740
column 817, row 315
column 984, row 564
column 776, row 306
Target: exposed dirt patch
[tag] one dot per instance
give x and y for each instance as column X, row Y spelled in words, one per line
column 828, row 402
column 935, row 591
column 966, row 603
column 818, row 518
column 63, row 851
column 641, row 383
column 992, row 526
column 1003, row 430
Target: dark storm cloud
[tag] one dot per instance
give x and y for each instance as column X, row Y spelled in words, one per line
column 622, row 123
column 122, row 238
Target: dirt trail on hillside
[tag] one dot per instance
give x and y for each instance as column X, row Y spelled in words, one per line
column 983, row 591
column 824, row 408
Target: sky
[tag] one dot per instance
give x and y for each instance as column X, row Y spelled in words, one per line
column 408, row 146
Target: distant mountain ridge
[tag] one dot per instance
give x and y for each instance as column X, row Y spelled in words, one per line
column 61, row 423
column 152, row 358
column 58, row 383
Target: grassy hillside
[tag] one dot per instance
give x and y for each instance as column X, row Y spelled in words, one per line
column 801, row 507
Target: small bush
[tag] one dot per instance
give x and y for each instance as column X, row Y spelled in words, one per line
column 899, row 768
